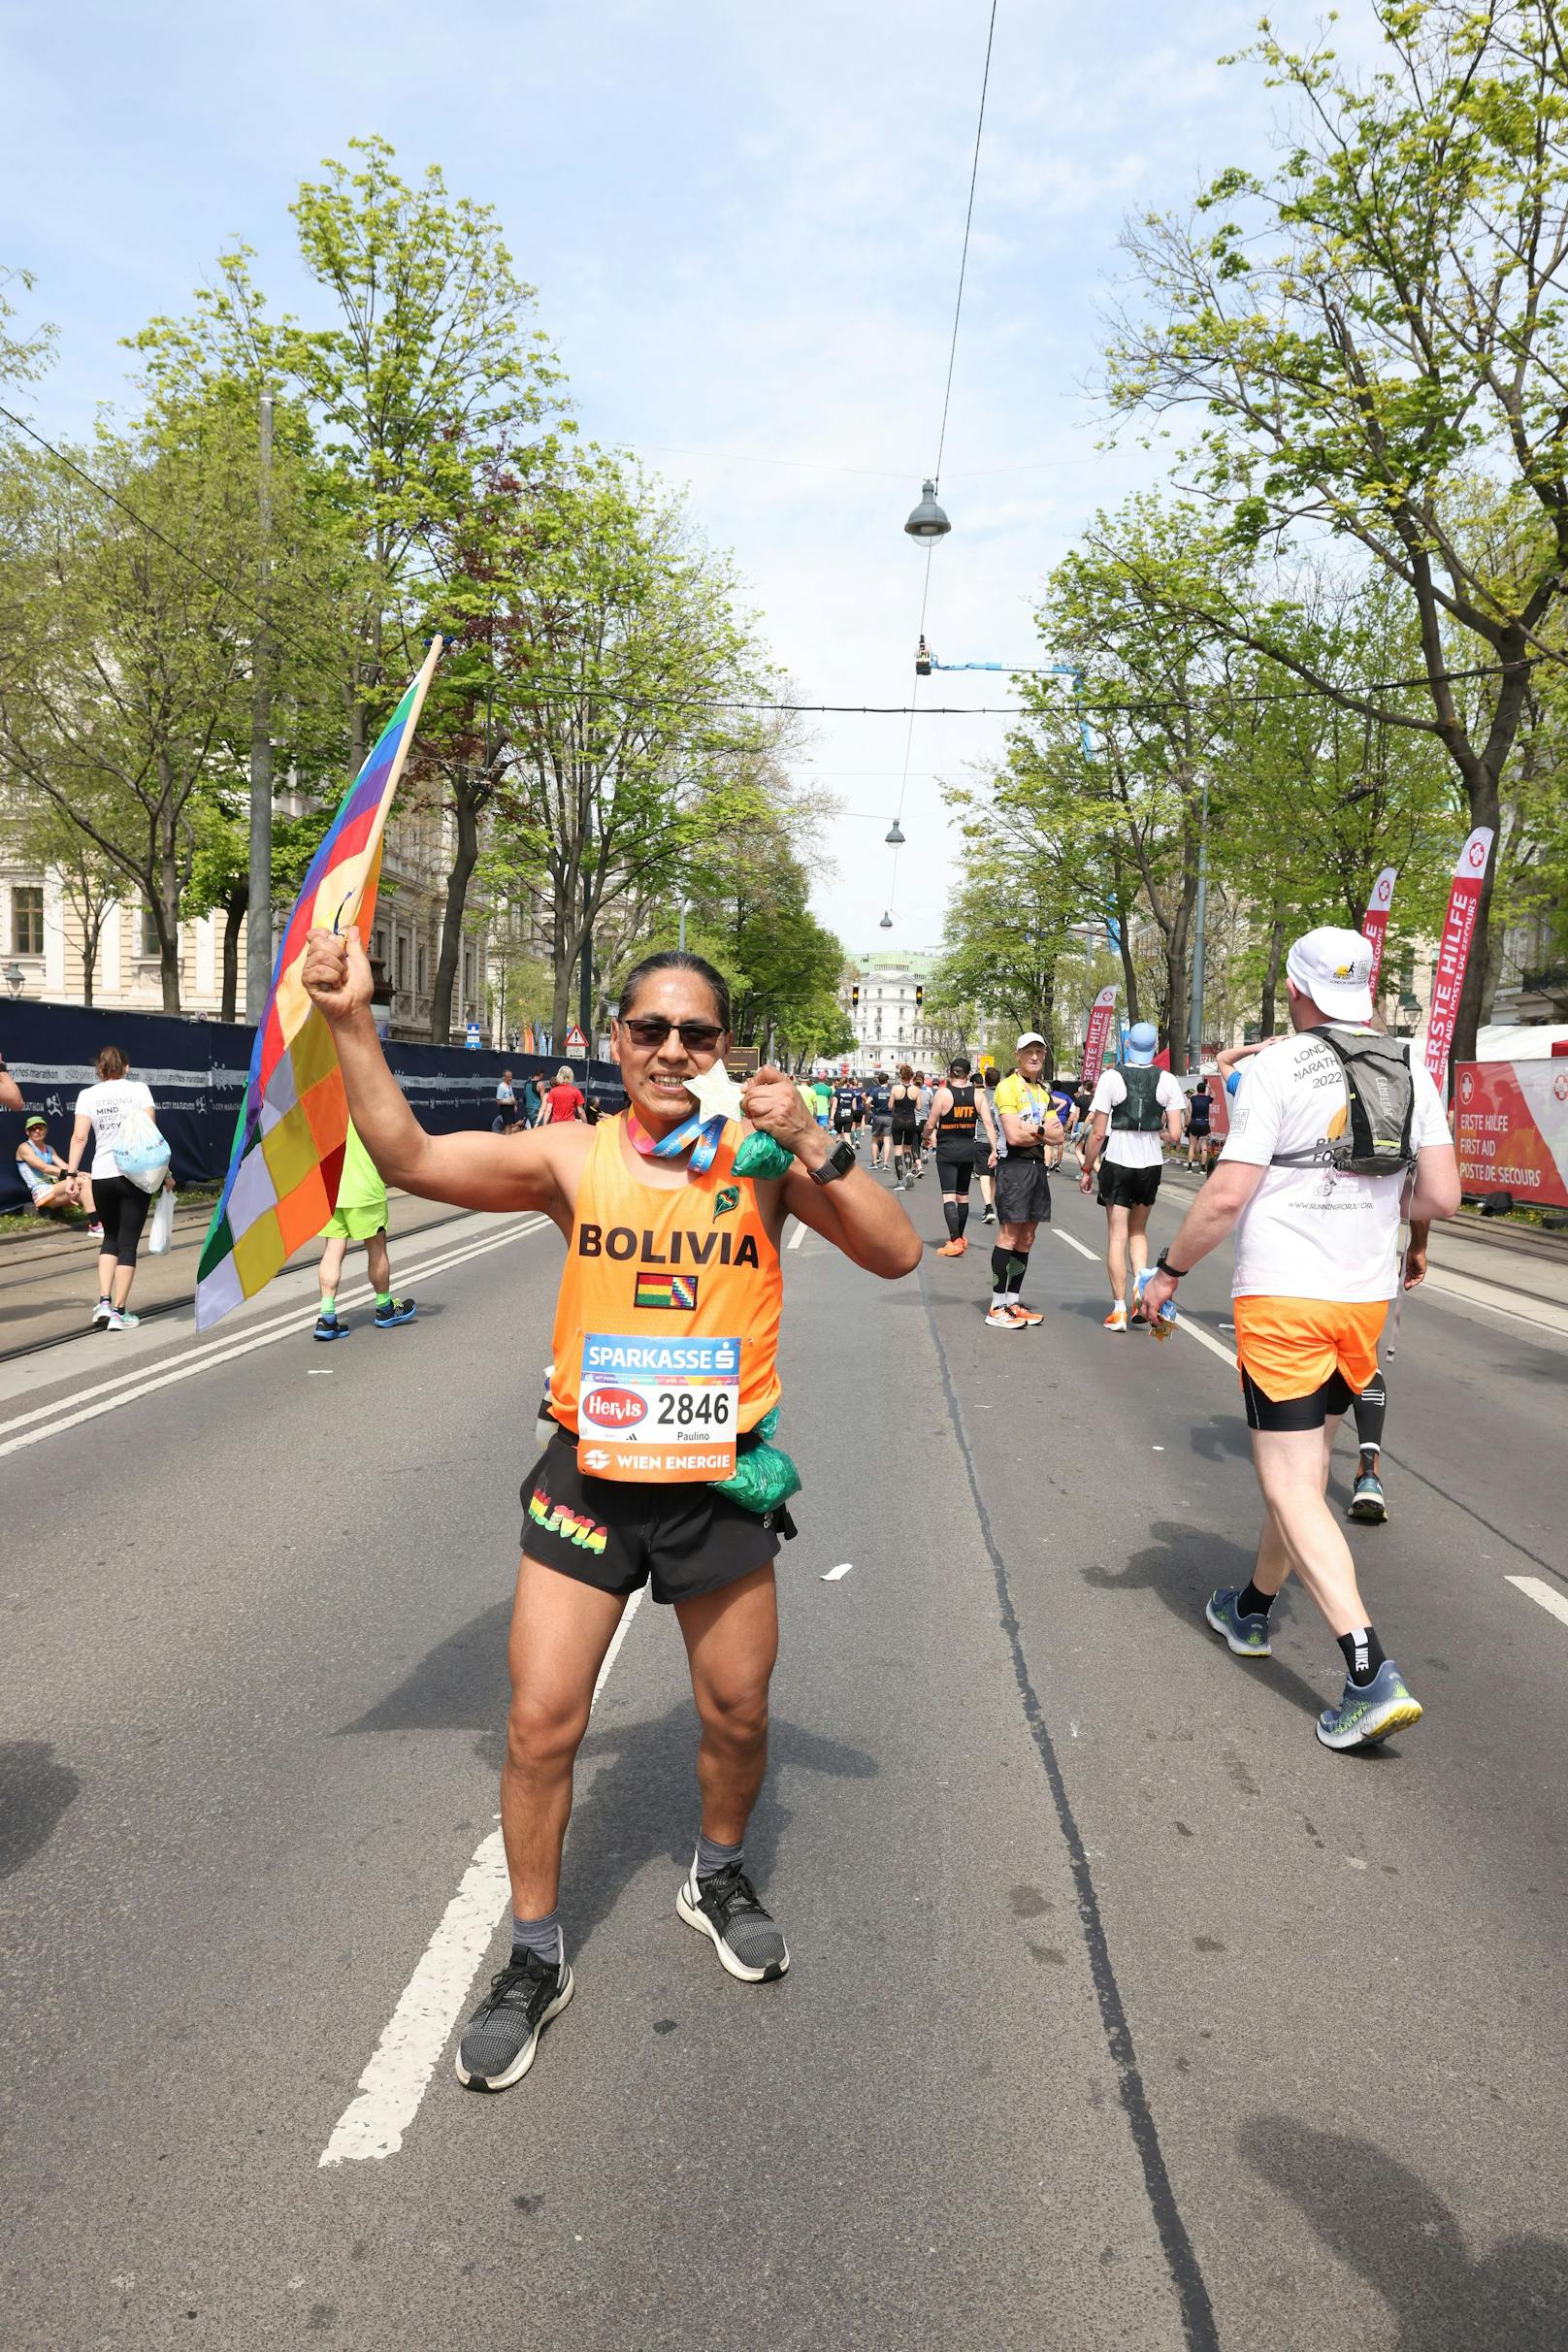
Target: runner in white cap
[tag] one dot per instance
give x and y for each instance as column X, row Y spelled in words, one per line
column 1324, row 1136
column 1134, row 1109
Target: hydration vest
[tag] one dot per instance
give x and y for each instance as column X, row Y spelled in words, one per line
column 1140, row 1110
column 1380, row 1104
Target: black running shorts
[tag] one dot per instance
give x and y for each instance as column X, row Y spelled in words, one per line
column 686, row 1540
column 905, row 1133
column 1122, row 1188
column 955, row 1169
column 1325, row 1404
column 1022, row 1190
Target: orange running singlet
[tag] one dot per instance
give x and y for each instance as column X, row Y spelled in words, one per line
column 666, row 1325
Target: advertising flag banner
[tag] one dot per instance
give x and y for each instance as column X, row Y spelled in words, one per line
column 1374, row 922
column 1102, row 1014
column 288, row 1146
column 1511, row 1129
column 1454, row 950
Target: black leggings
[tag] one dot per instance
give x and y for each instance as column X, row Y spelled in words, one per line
column 122, row 1209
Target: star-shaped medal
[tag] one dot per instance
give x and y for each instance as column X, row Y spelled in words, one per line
column 716, row 1093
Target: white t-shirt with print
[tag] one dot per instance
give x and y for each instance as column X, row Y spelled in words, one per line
column 107, row 1104
column 1312, row 1232
column 1129, row 1147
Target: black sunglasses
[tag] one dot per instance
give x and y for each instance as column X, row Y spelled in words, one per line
column 652, row 1028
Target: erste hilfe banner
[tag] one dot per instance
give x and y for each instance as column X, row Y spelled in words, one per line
column 1101, row 1015
column 1374, row 922
column 1511, row 1129
column 1454, row 950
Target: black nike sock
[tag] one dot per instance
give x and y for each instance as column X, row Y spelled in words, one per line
column 998, row 1270
column 1250, row 1602
column 953, row 1211
column 1363, row 1653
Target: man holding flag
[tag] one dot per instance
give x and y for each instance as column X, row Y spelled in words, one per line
column 664, row 1392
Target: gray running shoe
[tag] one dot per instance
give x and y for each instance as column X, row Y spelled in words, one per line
column 1247, row 1636
column 1367, row 1503
column 746, row 1937
column 1367, row 1715
column 501, row 2037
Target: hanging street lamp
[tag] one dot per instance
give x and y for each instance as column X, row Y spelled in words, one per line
column 895, row 834
column 926, row 523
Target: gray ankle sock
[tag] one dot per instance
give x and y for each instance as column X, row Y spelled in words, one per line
column 712, row 1857
column 540, row 1937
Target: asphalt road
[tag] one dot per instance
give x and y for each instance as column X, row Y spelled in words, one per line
column 1120, row 2013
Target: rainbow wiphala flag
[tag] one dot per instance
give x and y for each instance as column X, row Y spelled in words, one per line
column 288, row 1146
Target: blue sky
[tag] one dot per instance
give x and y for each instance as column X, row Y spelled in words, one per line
column 744, row 228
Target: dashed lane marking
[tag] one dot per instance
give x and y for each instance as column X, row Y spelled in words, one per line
column 30, row 1429
column 1184, row 1320
column 833, row 1574
column 797, row 1237
column 1554, row 1603
column 396, row 2080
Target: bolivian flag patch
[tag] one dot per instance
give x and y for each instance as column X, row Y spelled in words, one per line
column 667, row 1290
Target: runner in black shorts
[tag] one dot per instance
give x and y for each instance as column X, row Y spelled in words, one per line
column 662, row 1375
column 903, row 1109
column 961, row 1125
column 1032, row 1127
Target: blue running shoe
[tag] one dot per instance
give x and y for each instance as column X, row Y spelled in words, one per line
column 1364, row 1717
column 395, row 1311
column 1367, row 1503
column 1248, row 1636
column 328, row 1326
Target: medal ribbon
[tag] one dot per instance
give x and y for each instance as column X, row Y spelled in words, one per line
column 702, row 1136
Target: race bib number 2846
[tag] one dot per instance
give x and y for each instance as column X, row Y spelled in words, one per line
column 658, row 1410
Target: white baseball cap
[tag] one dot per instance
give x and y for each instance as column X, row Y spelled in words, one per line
column 1335, row 969
column 1029, row 1037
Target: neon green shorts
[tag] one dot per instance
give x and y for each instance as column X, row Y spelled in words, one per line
column 357, row 1220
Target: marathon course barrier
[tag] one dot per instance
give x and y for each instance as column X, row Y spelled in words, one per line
column 197, row 1072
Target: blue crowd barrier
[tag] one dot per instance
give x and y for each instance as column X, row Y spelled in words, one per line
column 197, row 1071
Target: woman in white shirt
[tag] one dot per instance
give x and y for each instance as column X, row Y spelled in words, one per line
column 102, row 1111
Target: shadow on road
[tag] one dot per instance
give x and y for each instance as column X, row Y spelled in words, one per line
column 1379, row 2216
column 1182, row 1568
column 35, row 1795
column 638, row 1780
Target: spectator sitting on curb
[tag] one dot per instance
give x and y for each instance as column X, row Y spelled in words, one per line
column 43, row 1172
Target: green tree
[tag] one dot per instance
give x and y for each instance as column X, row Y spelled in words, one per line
column 127, row 631
column 619, row 645
column 1369, row 326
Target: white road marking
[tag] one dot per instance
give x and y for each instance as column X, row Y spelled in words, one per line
column 127, row 1386
column 1184, row 1322
column 1551, row 1600
column 833, row 1574
column 797, row 1236
column 396, row 2080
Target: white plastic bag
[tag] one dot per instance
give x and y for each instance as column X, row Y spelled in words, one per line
column 141, row 1151
column 161, row 1225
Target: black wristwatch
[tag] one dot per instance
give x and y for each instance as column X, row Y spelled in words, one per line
column 838, row 1164
column 1162, row 1266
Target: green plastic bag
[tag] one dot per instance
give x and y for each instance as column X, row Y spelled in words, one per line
column 761, row 1156
column 766, row 1477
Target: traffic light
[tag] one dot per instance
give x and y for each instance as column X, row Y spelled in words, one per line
column 919, row 994
column 854, row 998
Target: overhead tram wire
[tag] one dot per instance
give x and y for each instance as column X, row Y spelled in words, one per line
column 941, row 437
column 1100, row 703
